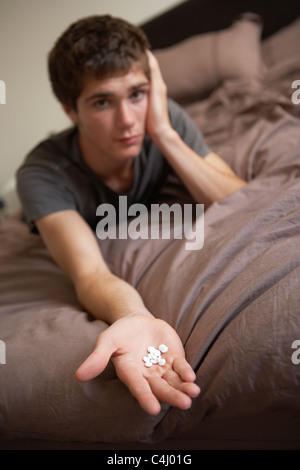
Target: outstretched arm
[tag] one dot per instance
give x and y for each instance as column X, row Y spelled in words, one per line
column 208, row 178
column 126, row 343
column 132, row 328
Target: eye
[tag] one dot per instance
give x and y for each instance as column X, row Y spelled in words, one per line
column 137, row 95
column 101, row 103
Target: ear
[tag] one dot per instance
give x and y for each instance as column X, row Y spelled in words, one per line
column 71, row 113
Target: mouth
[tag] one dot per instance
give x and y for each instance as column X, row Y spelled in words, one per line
column 131, row 140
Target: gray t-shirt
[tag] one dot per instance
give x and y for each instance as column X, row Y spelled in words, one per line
column 54, row 176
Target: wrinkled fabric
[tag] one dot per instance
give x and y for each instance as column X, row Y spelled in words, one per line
column 234, row 303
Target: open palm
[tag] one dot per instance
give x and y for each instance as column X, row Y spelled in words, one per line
column 126, row 342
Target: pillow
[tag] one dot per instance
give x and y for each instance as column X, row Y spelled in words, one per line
column 195, row 66
column 283, row 45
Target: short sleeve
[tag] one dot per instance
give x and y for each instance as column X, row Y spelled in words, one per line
column 42, row 189
column 187, row 129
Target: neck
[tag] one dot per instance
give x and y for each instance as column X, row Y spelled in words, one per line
column 121, row 181
column 116, row 175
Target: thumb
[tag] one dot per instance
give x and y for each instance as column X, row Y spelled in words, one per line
column 97, row 360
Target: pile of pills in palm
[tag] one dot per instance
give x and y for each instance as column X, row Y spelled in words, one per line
column 154, row 356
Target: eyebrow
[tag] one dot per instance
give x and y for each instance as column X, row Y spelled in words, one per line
column 109, row 94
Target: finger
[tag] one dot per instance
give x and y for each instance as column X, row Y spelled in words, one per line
column 140, row 389
column 151, row 59
column 154, row 67
column 168, row 394
column 189, row 388
column 184, row 370
column 96, row 361
column 172, row 378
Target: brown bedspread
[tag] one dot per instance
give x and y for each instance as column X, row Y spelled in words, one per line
column 235, row 303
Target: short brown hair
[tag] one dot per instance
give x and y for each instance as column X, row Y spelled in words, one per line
column 98, row 47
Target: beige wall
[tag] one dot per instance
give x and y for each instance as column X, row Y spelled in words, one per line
column 28, row 29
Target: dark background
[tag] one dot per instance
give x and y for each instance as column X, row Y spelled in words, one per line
column 201, row 16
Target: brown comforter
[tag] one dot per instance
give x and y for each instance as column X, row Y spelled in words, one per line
column 235, row 303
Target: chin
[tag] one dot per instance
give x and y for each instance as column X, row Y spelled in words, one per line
column 131, row 152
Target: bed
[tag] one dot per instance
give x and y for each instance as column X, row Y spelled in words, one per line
column 235, row 302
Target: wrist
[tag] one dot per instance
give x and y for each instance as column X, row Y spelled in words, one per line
column 164, row 136
column 110, row 298
column 167, row 140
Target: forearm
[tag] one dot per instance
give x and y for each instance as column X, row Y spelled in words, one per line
column 73, row 246
column 109, row 298
column 209, row 178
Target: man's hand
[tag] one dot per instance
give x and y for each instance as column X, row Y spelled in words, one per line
column 158, row 122
column 207, row 179
column 126, row 342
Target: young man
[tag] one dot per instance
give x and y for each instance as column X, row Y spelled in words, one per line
column 126, row 138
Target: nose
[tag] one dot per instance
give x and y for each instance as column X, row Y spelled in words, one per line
column 124, row 116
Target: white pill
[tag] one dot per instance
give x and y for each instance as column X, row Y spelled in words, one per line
column 148, row 364
column 154, row 361
column 151, row 349
column 163, row 348
column 151, row 356
column 161, row 362
column 146, row 359
column 156, row 352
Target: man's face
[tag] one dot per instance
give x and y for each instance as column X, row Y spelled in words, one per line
column 111, row 117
